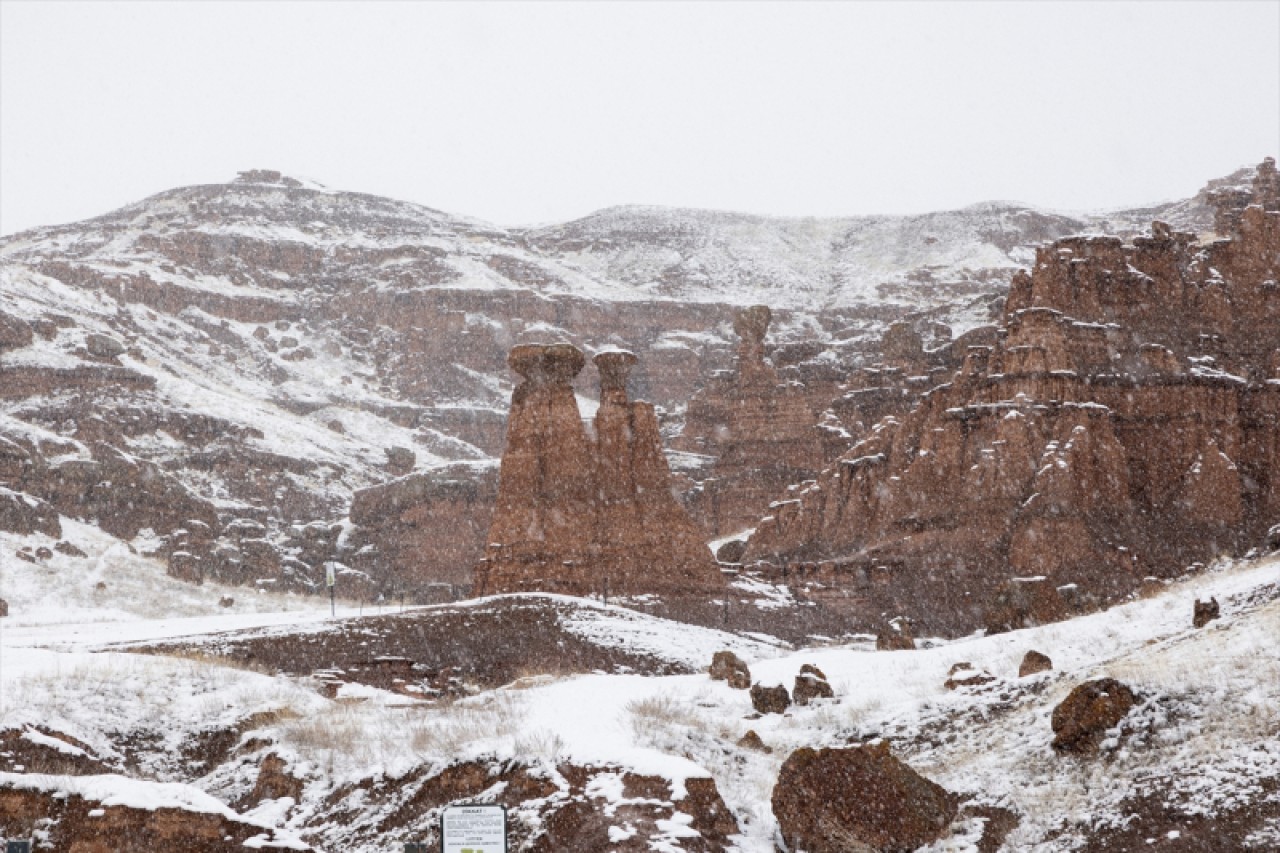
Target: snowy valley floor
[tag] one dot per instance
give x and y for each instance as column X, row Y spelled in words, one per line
column 362, row 764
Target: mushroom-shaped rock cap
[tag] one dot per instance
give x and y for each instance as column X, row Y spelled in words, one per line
column 614, row 366
column 752, row 323
column 547, row 363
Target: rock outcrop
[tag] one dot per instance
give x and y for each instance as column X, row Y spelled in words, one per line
column 92, row 817
column 763, row 432
column 582, row 514
column 861, row 798
column 1081, row 719
column 1125, row 423
column 422, row 533
column 728, row 667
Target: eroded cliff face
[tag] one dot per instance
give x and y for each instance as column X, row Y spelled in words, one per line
column 763, row 433
column 1125, row 423
column 581, row 514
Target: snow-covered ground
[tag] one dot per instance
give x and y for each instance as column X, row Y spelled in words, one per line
column 1207, row 727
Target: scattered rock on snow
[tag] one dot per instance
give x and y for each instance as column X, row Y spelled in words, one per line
column 65, row 547
column 1080, row 720
column 859, row 798
column 770, row 700
column 811, row 684
column 964, row 675
column 751, row 740
column 1205, row 612
column 726, row 666
column 895, row 635
column 1033, row 662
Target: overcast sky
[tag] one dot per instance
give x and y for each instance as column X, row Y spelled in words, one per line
column 540, row 112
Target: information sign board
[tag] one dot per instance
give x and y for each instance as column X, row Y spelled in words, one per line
column 17, row 847
column 474, row 829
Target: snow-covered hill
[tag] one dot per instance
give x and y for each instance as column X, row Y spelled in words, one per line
column 1194, row 766
column 267, row 341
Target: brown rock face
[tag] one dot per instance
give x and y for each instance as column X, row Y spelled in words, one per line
column 1080, row 720
column 23, row 514
column 764, row 433
column 274, row 783
column 14, row 332
column 579, row 514
column 422, row 533
column 835, row 800
column 74, row 823
column 1124, row 423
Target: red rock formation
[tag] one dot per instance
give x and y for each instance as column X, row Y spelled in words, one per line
column 763, row 432
column 1125, row 423
column 579, row 514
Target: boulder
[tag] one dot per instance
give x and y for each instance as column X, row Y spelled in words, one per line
column 103, row 346
column 858, row 798
column 770, row 700
column 726, row 666
column 731, row 552
column 751, row 740
column 895, row 635
column 811, row 683
column 1089, row 710
column 1204, row 612
column 1034, row 662
column 964, row 675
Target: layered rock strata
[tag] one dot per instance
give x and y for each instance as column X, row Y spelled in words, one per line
column 420, row 534
column 578, row 513
column 1125, row 423
column 763, row 432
